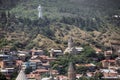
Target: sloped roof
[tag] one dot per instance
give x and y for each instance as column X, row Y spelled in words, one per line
column 21, row 76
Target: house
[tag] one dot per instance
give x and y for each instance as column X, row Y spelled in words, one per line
column 108, row 54
column 109, row 74
column 37, row 61
column 22, row 55
column 90, row 66
column 25, row 65
column 7, row 65
column 33, row 65
column 117, row 61
column 6, row 49
column 41, row 71
column 79, row 49
column 79, row 75
column 19, row 63
column 62, row 77
column 6, row 71
column 55, row 52
column 37, row 52
column 108, row 63
column 90, row 74
column 115, row 45
column 6, row 61
column 46, row 65
column 97, row 50
column 33, row 76
column 45, row 59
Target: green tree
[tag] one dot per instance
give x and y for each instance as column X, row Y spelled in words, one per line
column 100, row 56
column 82, row 70
column 89, row 52
column 28, row 70
column 14, row 75
column 2, row 77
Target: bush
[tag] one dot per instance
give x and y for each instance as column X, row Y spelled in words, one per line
column 2, row 77
column 81, row 70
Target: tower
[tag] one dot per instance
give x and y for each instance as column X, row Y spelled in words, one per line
column 39, row 11
column 70, row 49
column 51, row 75
column 52, row 53
column 70, row 43
column 21, row 76
column 71, row 72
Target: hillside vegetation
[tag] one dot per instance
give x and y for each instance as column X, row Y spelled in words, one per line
column 88, row 21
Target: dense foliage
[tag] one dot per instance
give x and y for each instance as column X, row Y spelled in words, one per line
column 21, row 16
column 85, row 57
column 2, row 77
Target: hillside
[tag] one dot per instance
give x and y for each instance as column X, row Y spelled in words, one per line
column 88, row 21
column 58, row 8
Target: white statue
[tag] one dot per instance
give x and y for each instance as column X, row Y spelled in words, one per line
column 39, row 11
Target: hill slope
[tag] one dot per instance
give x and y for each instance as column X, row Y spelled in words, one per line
column 89, row 21
column 58, row 8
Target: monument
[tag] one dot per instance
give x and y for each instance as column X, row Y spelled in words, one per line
column 70, row 49
column 40, row 11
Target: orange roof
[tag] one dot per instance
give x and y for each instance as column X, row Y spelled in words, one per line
column 55, row 72
column 108, row 52
column 51, row 58
column 45, row 64
column 86, row 65
column 97, row 50
column 19, row 62
column 33, row 50
column 115, row 42
column 62, row 76
column 41, row 70
column 108, row 60
column 36, row 60
column 43, row 56
column 31, row 75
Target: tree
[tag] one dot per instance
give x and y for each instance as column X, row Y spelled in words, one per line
column 98, row 76
column 89, row 52
column 82, row 69
column 113, row 56
column 14, row 75
column 2, row 77
column 100, row 56
column 28, row 70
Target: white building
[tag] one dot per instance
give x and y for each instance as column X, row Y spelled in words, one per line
column 55, row 52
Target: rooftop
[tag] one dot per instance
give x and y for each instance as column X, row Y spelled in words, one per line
column 108, row 71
